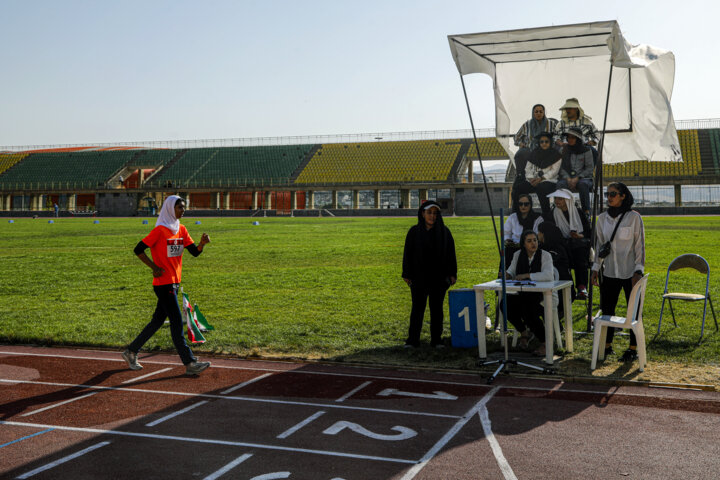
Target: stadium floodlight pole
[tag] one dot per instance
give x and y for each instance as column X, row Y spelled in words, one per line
column 482, row 169
column 597, row 201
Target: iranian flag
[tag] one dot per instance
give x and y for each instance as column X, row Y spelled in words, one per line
column 195, row 320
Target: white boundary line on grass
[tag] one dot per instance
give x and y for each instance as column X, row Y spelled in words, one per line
column 210, row 442
column 226, row 397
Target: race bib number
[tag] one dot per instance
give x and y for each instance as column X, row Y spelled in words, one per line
column 175, row 247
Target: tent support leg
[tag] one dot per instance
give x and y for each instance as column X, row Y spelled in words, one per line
column 597, row 205
column 482, row 169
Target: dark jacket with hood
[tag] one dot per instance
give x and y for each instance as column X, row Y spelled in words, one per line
column 429, row 255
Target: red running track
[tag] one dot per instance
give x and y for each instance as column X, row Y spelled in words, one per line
column 75, row 414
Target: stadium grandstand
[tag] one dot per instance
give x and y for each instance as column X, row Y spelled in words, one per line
column 379, row 174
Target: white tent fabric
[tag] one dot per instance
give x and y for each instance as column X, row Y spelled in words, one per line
column 551, row 64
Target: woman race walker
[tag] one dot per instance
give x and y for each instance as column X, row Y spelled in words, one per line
column 166, row 242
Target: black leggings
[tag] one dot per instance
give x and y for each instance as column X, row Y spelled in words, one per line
column 524, row 311
column 609, row 294
column 420, row 293
column 167, row 307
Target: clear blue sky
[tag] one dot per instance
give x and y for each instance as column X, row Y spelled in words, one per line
column 98, row 71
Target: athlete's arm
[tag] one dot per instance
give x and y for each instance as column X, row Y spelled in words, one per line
column 140, row 252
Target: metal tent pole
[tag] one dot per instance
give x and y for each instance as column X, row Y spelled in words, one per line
column 482, row 169
column 597, row 191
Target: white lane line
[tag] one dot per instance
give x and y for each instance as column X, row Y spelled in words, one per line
column 228, row 467
column 353, row 392
column 502, row 462
column 62, row 460
column 258, row 369
column 410, row 474
column 272, row 476
column 210, row 442
column 59, row 404
column 146, row 376
column 300, row 425
column 242, row 399
column 175, row 414
column 237, row 387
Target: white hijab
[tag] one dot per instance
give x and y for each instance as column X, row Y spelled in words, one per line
column 575, row 223
column 167, row 214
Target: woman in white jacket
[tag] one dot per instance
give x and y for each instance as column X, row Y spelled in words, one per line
column 541, row 173
column 524, row 309
column 624, row 266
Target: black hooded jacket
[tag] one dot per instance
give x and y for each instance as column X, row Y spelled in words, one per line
column 429, row 255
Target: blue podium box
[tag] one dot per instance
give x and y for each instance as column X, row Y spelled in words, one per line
column 463, row 318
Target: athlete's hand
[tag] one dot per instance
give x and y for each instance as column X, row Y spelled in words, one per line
column 204, row 239
column 158, row 272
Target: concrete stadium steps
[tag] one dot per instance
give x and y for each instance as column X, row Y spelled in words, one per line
column 713, row 138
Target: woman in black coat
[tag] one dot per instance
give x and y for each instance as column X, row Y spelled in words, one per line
column 429, row 268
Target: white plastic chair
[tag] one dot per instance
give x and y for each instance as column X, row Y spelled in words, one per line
column 696, row 262
column 556, row 317
column 633, row 321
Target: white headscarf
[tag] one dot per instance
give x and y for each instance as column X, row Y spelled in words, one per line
column 167, row 214
column 575, row 223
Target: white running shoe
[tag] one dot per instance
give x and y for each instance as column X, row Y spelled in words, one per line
column 131, row 359
column 194, row 368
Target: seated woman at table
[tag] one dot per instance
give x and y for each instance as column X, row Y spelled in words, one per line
column 524, row 309
column 523, row 218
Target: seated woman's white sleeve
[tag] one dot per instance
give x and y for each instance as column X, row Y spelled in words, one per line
column 513, row 265
column 507, row 228
column 546, row 274
column 551, row 173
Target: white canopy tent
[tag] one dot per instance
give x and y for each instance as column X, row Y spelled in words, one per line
column 547, row 65
column 625, row 89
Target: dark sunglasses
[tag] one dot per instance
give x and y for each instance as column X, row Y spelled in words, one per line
column 611, row 194
column 524, row 204
column 544, row 141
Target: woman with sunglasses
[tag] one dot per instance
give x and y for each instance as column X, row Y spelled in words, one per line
column 523, row 218
column 541, row 173
column 524, row 309
column 624, row 266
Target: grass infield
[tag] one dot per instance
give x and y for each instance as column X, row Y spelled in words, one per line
column 313, row 288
